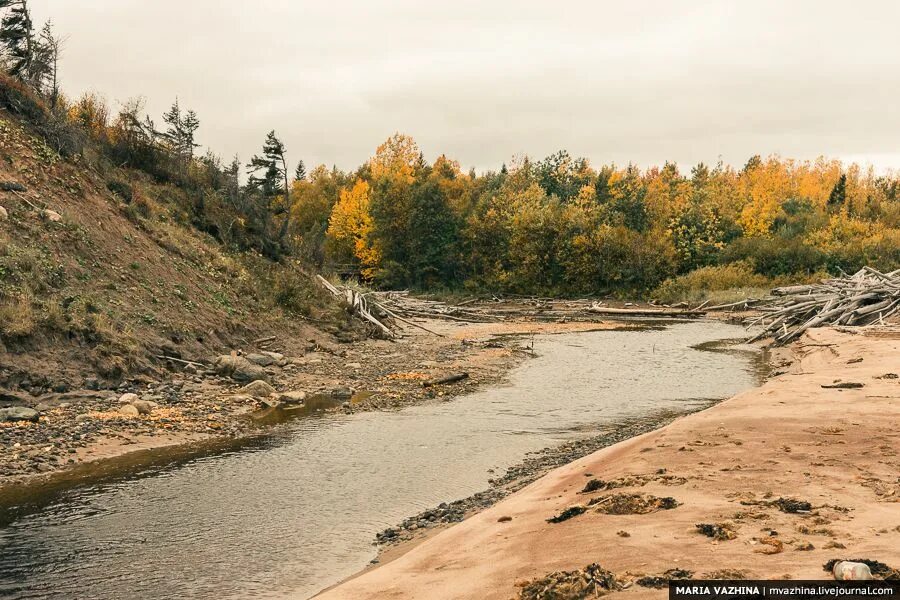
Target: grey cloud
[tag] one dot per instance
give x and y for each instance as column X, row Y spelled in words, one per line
column 639, row 81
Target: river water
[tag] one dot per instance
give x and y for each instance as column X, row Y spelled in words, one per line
column 296, row 511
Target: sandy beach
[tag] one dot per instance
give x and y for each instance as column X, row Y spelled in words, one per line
column 825, row 431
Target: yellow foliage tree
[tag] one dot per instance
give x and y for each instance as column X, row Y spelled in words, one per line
column 396, row 159
column 765, row 187
column 351, row 226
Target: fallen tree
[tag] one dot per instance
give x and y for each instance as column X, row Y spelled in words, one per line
column 356, row 303
column 864, row 298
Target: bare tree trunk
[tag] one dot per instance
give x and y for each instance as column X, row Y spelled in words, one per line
column 285, row 225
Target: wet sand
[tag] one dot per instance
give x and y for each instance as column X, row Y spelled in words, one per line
column 791, row 438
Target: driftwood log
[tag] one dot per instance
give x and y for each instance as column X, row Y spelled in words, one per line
column 444, row 380
column 646, row 312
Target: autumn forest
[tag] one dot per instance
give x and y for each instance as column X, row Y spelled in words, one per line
column 557, row 225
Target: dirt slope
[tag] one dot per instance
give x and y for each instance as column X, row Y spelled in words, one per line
column 94, row 282
column 793, row 439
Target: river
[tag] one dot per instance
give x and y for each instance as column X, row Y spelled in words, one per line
column 297, row 510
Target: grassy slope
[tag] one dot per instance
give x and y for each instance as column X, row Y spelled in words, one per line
column 115, row 281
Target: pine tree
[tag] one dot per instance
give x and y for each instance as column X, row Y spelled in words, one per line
column 838, row 192
column 49, row 48
column 189, row 126
column 180, row 135
column 273, row 164
column 174, row 135
column 300, row 173
column 17, row 38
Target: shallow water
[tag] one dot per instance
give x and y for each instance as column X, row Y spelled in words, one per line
column 297, row 511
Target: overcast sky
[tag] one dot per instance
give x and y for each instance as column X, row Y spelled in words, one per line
column 481, row 81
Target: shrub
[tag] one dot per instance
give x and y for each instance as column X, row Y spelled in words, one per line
column 775, row 256
column 63, row 137
column 695, row 285
column 121, row 189
column 16, row 317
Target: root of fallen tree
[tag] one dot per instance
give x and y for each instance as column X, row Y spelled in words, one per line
column 864, row 298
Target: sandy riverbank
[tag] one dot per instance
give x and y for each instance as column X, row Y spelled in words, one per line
column 791, row 438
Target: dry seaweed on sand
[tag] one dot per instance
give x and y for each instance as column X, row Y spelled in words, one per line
column 717, row 531
column 791, row 505
column 878, row 569
column 769, row 545
column 726, row 574
column 590, row 582
column 632, row 504
column 594, row 485
column 662, row 581
column 572, row 511
column 786, row 505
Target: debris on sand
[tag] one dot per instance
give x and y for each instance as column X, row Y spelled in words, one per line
column 791, row 505
column 572, row 511
column 590, row 582
column 632, row 504
column 594, row 485
column 843, row 385
column 661, row 476
column 786, row 505
column 662, row 581
column 769, row 545
column 623, row 533
column 726, row 574
column 717, row 531
column 851, row 571
column 804, row 547
column 878, row 569
column 805, row 530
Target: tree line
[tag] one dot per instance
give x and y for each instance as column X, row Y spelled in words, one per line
column 560, row 226
column 557, row 225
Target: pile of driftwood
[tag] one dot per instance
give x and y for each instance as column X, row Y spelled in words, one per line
column 383, row 310
column 467, row 311
column 866, row 297
column 495, row 309
column 366, row 306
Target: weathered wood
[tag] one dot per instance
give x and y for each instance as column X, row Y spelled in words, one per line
column 645, row 312
column 866, row 297
column 181, row 361
column 357, row 305
column 848, row 385
column 744, row 303
column 402, row 320
column 444, row 380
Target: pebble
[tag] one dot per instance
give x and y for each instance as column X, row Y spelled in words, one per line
column 127, row 398
column 846, row 571
column 129, row 410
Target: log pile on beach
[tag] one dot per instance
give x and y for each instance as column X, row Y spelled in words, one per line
column 867, row 297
